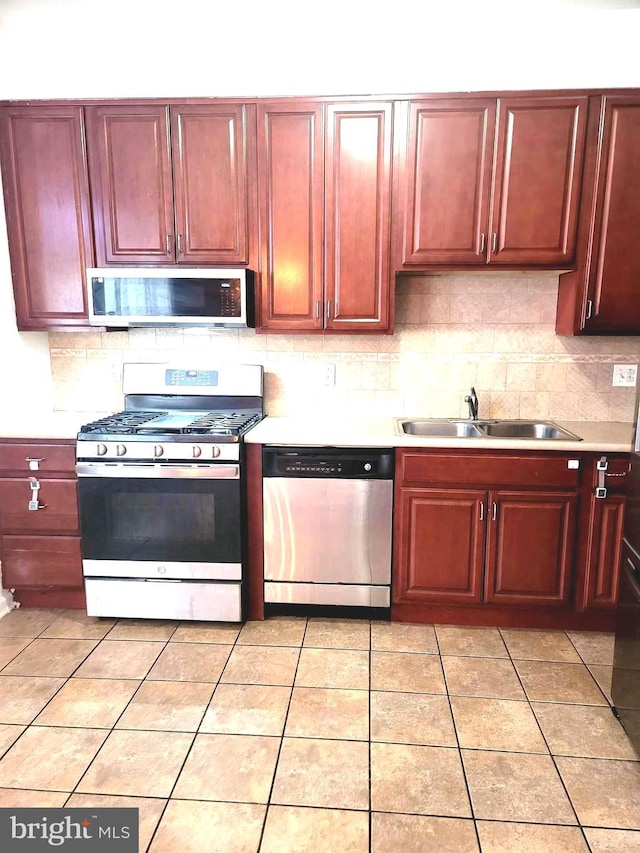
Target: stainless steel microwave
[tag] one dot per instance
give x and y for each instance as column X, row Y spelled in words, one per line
column 170, row 296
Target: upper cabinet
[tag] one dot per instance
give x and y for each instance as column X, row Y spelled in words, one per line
column 603, row 294
column 324, row 188
column 169, row 184
column 491, row 181
column 44, row 173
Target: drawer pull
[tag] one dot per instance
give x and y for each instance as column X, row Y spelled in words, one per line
column 34, row 464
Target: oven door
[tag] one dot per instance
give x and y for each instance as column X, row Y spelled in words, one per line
column 177, row 526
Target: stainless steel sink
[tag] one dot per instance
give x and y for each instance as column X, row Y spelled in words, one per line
column 435, row 428
column 440, row 429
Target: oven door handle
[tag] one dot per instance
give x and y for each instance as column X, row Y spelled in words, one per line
column 164, row 471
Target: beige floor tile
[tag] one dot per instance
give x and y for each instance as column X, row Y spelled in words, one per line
column 411, row 673
column 583, row 731
column 29, row 622
column 261, row 665
column 412, row 718
column 142, row 629
column 418, row 779
column 50, row 658
column 247, row 709
column 229, row 768
column 20, row 798
column 489, row 677
column 613, row 840
column 50, row 759
column 10, row 647
column 401, row 637
column 174, row 706
column 88, row 702
column 149, row 810
column 593, row 646
column 474, row 641
column 137, row 764
column 332, row 774
column 346, row 668
column 516, row 787
column 499, row 837
column 501, row 724
column 190, row 662
column 559, row 682
column 317, row 712
column 205, row 632
column 23, row 697
column 603, row 675
column 338, row 634
column 315, row 831
column 193, row 827
column 273, row 632
column 8, row 736
column 604, row 793
column 75, row 624
column 120, row 659
column 404, row 833
column 532, row 644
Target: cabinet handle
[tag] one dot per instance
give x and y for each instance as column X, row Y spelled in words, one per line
column 179, row 243
column 481, row 511
column 589, row 309
column 317, row 309
column 328, row 309
column 495, row 511
column 167, row 241
column 34, row 464
column 494, row 242
column 483, row 241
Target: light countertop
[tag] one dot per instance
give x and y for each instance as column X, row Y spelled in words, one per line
column 46, row 425
column 598, row 436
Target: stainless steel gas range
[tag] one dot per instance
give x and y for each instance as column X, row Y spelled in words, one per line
column 161, row 494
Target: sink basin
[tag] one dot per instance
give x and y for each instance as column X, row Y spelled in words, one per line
column 441, row 429
column 528, row 429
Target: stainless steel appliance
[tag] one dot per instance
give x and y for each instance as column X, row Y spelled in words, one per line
column 327, row 525
column 161, row 494
column 172, row 296
column 625, row 687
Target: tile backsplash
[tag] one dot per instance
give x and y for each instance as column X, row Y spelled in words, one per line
column 492, row 331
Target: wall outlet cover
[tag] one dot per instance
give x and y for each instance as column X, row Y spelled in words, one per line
column 625, row 375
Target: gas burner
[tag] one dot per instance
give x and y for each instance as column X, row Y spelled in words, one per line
column 121, row 422
column 222, row 423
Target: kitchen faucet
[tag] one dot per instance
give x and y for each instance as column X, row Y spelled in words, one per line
column 472, row 400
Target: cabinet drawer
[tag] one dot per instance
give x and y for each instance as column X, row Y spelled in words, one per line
column 59, row 514
column 56, row 458
column 41, row 561
column 487, row 470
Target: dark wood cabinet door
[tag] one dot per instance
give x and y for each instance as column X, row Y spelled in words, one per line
column 614, row 277
column 606, row 526
column 41, row 561
column 440, row 541
column 44, row 172
column 210, row 179
column 131, row 185
column 448, row 181
column 290, row 174
column 538, row 171
column 530, row 547
column 59, row 506
column 357, row 270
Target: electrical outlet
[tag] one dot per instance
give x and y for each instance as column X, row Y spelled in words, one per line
column 329, row 374
column 625, row 375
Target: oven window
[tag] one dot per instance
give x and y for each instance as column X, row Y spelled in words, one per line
column 172, row 520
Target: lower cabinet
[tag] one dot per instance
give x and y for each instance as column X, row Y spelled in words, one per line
column 503, row 539
column 39, row 529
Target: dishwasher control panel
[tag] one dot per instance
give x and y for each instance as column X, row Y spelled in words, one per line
column 367, row 463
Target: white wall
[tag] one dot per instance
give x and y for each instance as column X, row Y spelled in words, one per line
column 141, row 48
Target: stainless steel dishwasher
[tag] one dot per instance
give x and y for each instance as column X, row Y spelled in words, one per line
column 328, row 525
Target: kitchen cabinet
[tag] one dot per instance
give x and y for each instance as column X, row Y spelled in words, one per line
column 39, row 530
column 324, row 188
column 482, row 535
column 46, row 194
column 603, row 294
column 169, row 184
column 491, row 181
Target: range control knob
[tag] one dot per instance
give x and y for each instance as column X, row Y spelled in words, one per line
column 158, row 450
column 196, row 451
column 101, row 449
column 215, row 451
column 120, row 450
